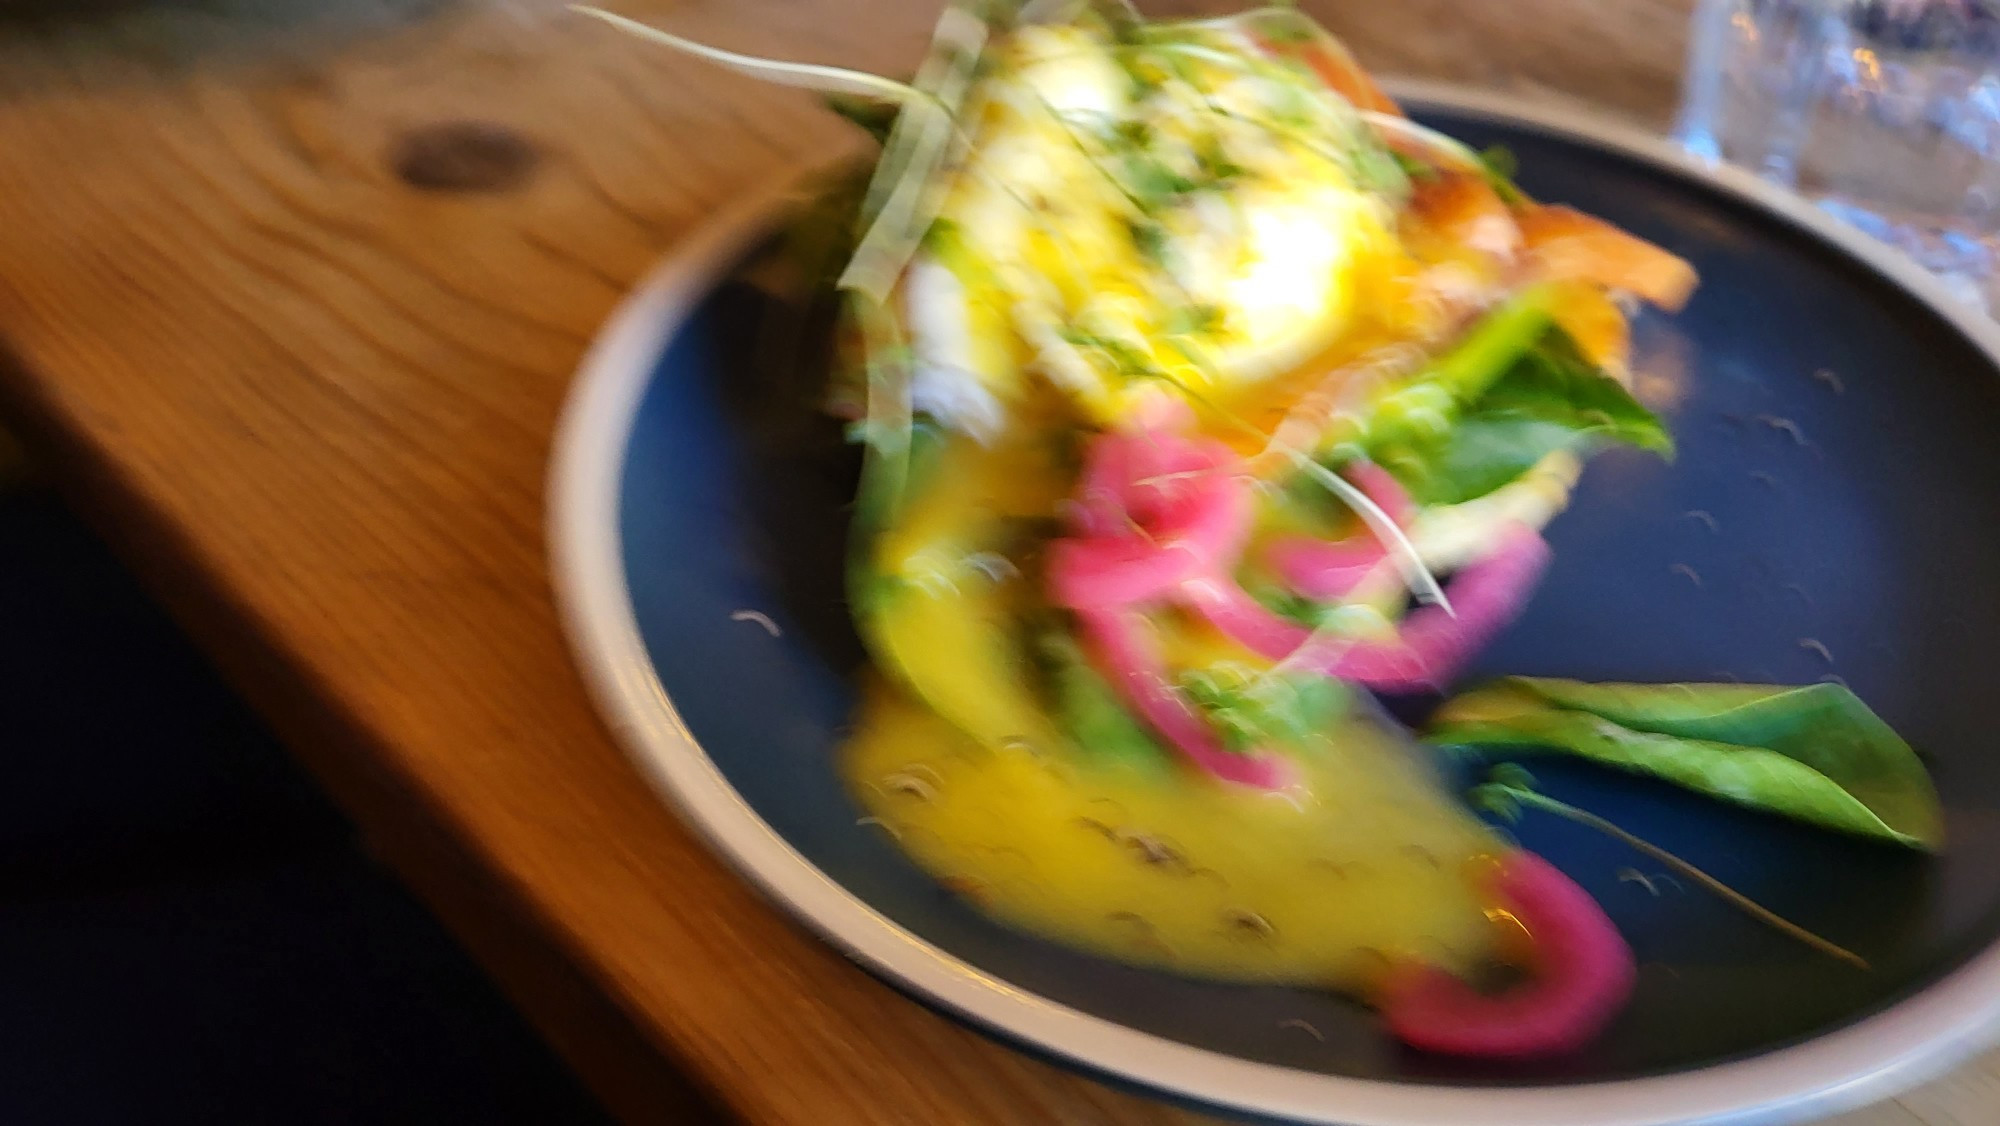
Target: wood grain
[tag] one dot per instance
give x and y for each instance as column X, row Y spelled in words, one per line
column 305, row 369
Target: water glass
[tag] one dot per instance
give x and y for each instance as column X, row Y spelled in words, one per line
column 1885, row 112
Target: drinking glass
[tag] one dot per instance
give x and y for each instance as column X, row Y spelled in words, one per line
column 1884, row 112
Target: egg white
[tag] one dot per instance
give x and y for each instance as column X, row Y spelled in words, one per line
column 1042, row 236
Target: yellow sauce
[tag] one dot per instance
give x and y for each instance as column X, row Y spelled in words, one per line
column 1366, row 863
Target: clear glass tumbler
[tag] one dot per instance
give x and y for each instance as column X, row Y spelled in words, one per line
column 1885, row 112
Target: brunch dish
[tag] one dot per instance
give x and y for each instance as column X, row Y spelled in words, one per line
column 1305, row 599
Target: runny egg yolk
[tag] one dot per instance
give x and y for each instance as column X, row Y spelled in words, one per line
column 1095, row 236
column 1293, row 289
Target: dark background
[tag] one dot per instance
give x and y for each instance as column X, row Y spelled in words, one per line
column 189, row 932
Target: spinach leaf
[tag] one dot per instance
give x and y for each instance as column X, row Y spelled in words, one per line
column 1815, row 754
column 1425, row 405
column 1247, row 709
column 1550, row 399
column 1090, row 711
column 1251, row 709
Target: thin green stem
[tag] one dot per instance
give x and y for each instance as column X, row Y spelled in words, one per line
column 1730, row 895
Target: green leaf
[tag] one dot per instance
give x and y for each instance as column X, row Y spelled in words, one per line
column 1480, row 455
column 1550, row 399
column 1251, row 709
column 1411, row 167
column 1424, row 406
column 1281, row 600
column 1554, row 381
column 1815, row 754
column 1090, row 712
column 1379, row 170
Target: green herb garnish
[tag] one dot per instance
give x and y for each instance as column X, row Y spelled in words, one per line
column 1550, row 398
column 1815, row 754
column 1510, row 789
column 1252, row 710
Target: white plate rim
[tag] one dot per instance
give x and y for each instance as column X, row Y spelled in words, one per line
column 1871, row 1059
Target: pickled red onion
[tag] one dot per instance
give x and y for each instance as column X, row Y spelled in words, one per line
column 1121, row 645
column 1164, row 517
column 1432, row 645
column 1154, row 510
column 1328, row 570
column 1583, row 970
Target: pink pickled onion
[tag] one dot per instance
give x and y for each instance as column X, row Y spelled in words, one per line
column 1179, row 512
column 1163, row 516
column 1130, row 476
column 1242, row 618
column 1431, row 645
column 1327, row 571
column 1154, row 509
column 1584, row 973
column 1122, row 645
column 1083, row 574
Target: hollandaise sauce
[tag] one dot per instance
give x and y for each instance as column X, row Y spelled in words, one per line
column 1363, row 865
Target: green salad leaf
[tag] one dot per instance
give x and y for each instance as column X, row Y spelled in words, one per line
column 1247, row 708
column 1250, row 708
column 1550, row 399
column 1426, row 405
column 1089, row 710
column 1815, row 754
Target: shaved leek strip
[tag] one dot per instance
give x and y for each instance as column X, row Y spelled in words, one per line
column 1423, row 585
column 1402, row 128
column 902, row 196
column 890, row 417
column 916, row 144
column 955, row 45
column 810, row 76
column 1049, row 11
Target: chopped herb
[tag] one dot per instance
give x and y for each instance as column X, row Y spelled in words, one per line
column 1137, row 133
column 1192, row 320
column 1089, row 709
column 1378, row 170
column 1127, row 361
column 1152, row 183
column 1284, row 27
column 1121, row 20
column 1149, row 239
column 1251, row 709
column 1500, row 166
column 1412, row 167
column 1291, row 606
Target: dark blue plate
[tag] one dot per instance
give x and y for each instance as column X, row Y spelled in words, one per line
column 1828, row 515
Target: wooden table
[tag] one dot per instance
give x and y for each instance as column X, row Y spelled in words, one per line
column 290, row 293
